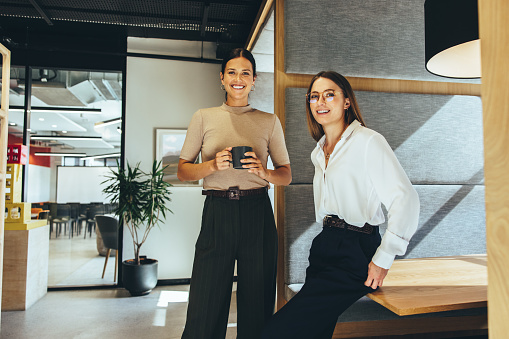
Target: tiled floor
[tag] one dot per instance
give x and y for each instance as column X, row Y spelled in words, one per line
column 108, row 313
column 76, row 262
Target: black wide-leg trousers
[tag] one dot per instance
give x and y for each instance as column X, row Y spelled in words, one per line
column 338, row 268
column 233, row 230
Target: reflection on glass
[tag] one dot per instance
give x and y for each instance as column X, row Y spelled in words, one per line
column 80, row 113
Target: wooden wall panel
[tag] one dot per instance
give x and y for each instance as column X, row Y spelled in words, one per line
column 4, row 114
column 394, row 85
column 26, row 267
column 15, row 266
column 279, row 110
column 494, row 33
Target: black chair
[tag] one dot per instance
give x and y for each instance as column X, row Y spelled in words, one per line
column 92, row 212
column 108, row 227
column 62, row 217
column 82, row 214
column 75, row 213
column 52, row 207
column 43, row 215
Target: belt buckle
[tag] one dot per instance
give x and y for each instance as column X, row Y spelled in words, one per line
column 327, row 221
column 234, row 193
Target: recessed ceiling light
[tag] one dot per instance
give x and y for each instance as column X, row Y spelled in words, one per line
column 12, row 124
column 41, row 119
column 111, row 155
column 54, row 126
column 49, row 154
column 69, row 110
column 64, row 132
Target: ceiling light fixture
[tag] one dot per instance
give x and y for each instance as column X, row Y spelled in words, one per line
column 101, row 156
column 108, row 122
column 49, row 154
column 70, row 110
column 63, row 138
column 452, row 45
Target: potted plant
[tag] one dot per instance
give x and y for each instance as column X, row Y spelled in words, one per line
column 140, row 203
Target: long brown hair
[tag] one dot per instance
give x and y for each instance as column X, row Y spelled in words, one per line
column 352, row 113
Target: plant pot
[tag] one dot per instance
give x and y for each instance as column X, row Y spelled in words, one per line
column 139, row 279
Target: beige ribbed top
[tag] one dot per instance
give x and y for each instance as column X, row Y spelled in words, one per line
column 213, row 129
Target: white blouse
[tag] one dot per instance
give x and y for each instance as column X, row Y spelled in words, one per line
column 362, row 174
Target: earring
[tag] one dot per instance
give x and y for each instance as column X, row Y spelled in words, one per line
column 222, row 87
column 252, row 87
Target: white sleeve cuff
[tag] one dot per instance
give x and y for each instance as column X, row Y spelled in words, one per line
column 391, row 246
column 383, row 259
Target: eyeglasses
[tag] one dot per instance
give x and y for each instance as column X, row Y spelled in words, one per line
column 328, row 95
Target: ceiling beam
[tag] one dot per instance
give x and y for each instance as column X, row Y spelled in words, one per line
column 204, row 19
column 261, row 18
column 41, row 12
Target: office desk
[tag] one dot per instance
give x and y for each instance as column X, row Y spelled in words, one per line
column 426, row 285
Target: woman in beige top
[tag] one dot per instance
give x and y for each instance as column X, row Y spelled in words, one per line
column 237, row 222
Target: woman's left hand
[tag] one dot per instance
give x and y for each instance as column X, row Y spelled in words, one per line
column 254, row 165
column 376, row 276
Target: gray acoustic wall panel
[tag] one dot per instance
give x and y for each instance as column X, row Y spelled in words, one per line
column 451, row 222
column 298, row 140
column 437, row 138
column 369, row 38
column 300, row 229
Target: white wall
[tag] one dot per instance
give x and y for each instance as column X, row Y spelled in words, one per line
column 39, row 183
column 165, row 94
column 81, row 184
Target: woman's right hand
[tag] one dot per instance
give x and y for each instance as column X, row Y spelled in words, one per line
column 223, row 159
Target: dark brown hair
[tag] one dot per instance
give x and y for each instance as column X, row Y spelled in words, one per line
column 239, row 53
column 352, row 113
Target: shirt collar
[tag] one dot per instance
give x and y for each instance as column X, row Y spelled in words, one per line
column 346, row 134
column 235, row 109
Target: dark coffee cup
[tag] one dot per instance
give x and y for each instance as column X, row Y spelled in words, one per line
column 238, row 154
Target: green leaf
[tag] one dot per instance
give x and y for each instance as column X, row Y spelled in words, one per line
column 140, row 198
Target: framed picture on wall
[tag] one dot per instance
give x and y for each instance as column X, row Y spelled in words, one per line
column 169, row 143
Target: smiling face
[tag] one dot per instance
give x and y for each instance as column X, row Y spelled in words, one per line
column 237, row 80
column 328, row 112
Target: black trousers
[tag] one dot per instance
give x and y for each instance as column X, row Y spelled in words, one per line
column 338, row 268
column 242, row 230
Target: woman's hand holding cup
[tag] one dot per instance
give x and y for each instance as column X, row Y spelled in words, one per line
column 223, row 159
column 254, row 165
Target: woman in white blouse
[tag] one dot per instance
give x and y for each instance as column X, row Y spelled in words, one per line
column 356, row 172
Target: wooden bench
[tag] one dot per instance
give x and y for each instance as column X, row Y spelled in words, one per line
column 427, row 285
column 424, row 293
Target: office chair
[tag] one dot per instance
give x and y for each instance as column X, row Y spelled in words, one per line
column 108, row 227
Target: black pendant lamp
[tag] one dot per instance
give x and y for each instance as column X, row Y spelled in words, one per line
column 452, row 44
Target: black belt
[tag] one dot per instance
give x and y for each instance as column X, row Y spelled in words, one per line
column 334, row 221
column 234, row 193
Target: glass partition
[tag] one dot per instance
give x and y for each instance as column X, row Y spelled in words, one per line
column 74, row 123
